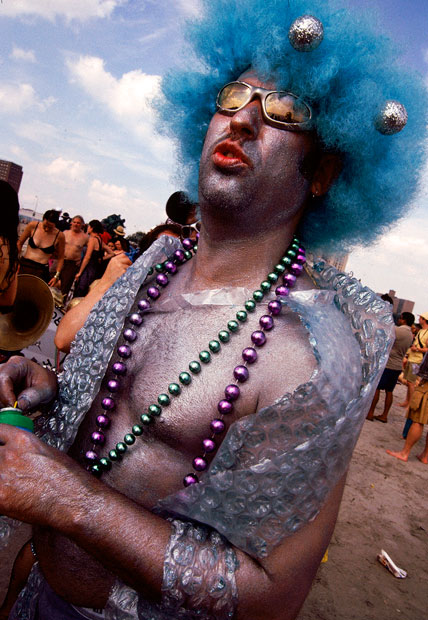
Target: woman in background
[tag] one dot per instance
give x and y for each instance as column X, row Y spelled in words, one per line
column 8, row 245
column 91, row 266
column 120, row 245
column 44, row 240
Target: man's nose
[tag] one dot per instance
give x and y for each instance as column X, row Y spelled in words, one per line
column 247, row 121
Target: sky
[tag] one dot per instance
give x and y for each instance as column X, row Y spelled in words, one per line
column 75, row 81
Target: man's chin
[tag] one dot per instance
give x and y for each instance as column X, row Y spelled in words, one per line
column 217, row 197
column 225, row 190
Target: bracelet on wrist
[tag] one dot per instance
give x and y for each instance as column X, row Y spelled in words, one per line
column 57, row 275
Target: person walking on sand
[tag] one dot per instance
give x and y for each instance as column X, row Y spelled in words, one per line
column 389, row 378
column 418, row 413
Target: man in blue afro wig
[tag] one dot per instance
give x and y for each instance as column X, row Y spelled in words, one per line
column 347, row 80
column 208, row 442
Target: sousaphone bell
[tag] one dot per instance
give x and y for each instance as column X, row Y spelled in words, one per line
column 31, row 314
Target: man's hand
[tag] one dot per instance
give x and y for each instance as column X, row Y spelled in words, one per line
column 38, row 484
column 116, row 267
column 26, row 382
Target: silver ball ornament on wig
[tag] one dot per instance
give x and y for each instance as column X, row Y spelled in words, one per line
column 306, row 33
column 391, row 118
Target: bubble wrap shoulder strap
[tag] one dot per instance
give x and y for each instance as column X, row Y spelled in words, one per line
column 85, row 366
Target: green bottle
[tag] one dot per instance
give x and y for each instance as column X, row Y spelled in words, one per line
column 15, row 417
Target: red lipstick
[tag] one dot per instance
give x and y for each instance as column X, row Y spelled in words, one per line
column 228, row 154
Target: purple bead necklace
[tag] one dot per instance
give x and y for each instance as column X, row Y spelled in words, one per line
column 289, row 268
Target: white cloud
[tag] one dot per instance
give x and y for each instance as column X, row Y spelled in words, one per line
column 127, row 97
column 128, row 100
column 37, row 131
column 397, row 262
column 80, row 10
column 139, row 212
column 18, row 152
column 189, row 7
column 107, row 193
column 15, row 98
column 66, row 170
column 19, row 54
column 152, row 37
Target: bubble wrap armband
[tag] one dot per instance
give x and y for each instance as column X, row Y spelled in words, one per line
column 199, row 574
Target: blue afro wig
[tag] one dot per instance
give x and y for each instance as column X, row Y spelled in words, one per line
column 346, row 80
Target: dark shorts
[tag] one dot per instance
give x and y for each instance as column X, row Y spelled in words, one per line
column 53, row 607
column 32, row 268
column 388, row 380
column 69, row 270
column 50, row 606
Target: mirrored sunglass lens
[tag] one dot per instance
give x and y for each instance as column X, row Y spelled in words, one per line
column 286, row 108
column 233, row 96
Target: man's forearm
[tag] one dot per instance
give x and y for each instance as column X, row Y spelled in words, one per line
column 134, row 550
column 43, row 486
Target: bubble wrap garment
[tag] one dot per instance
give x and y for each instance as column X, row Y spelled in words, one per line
column 274, row 468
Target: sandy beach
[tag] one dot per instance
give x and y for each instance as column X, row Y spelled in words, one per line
column 384, row 507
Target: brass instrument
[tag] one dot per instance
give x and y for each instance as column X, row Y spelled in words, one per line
column 31, row 314
column 73, row 302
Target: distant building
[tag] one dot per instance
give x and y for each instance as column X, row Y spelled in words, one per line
column 338, row 260
column 12, row 173
column 400, row 305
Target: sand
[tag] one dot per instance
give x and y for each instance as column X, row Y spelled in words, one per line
column 384, row 507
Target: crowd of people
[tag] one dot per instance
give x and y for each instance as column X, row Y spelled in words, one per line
column 74, row 258
column 191, row 457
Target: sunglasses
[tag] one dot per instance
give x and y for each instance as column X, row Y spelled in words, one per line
column 280, row 108
column 186, row 230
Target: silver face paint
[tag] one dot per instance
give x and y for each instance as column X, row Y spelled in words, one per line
column 251, row 169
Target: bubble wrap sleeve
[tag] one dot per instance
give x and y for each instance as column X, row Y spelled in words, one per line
column 198, row 581
column 199, row 573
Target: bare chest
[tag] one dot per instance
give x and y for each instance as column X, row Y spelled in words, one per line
column 168, row 345
column 74, row 244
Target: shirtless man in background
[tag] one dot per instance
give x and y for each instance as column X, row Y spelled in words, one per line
column 75, row 241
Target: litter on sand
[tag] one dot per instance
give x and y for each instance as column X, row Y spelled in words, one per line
column 384, row 559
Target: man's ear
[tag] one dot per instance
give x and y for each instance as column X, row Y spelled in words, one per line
column 327, row 171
